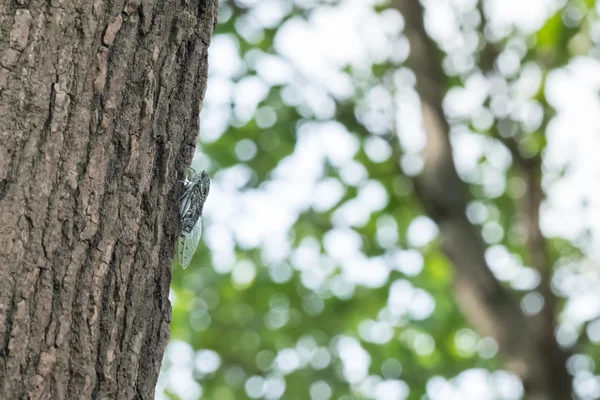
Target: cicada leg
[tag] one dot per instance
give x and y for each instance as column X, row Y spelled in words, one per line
column 190, row 173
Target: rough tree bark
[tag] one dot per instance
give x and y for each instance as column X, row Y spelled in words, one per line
column 527, row 344
column 99, row 104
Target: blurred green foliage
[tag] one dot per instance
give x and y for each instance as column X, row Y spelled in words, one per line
column 276, row 336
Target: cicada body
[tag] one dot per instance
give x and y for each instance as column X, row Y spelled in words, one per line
column 191, row 204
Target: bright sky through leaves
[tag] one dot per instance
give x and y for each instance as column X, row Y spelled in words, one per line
column 315, row 280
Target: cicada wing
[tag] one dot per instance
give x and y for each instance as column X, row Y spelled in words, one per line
column 187, row 244
column 181, row 252
column 185, row 202
column 194, row 236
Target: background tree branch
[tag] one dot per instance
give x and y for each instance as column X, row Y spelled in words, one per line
column 527, row 344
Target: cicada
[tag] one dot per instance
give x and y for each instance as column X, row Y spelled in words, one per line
column 191, row 204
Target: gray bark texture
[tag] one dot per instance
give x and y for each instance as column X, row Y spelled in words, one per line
column 99, row 104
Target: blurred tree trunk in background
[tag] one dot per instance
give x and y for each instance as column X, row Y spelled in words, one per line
column 99, row 105
column 527, row 344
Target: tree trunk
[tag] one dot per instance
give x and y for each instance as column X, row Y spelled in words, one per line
column 99, row 106
column 527, row 344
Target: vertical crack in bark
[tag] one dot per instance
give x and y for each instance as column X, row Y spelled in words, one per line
column 490, row 307
column 87, row 214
